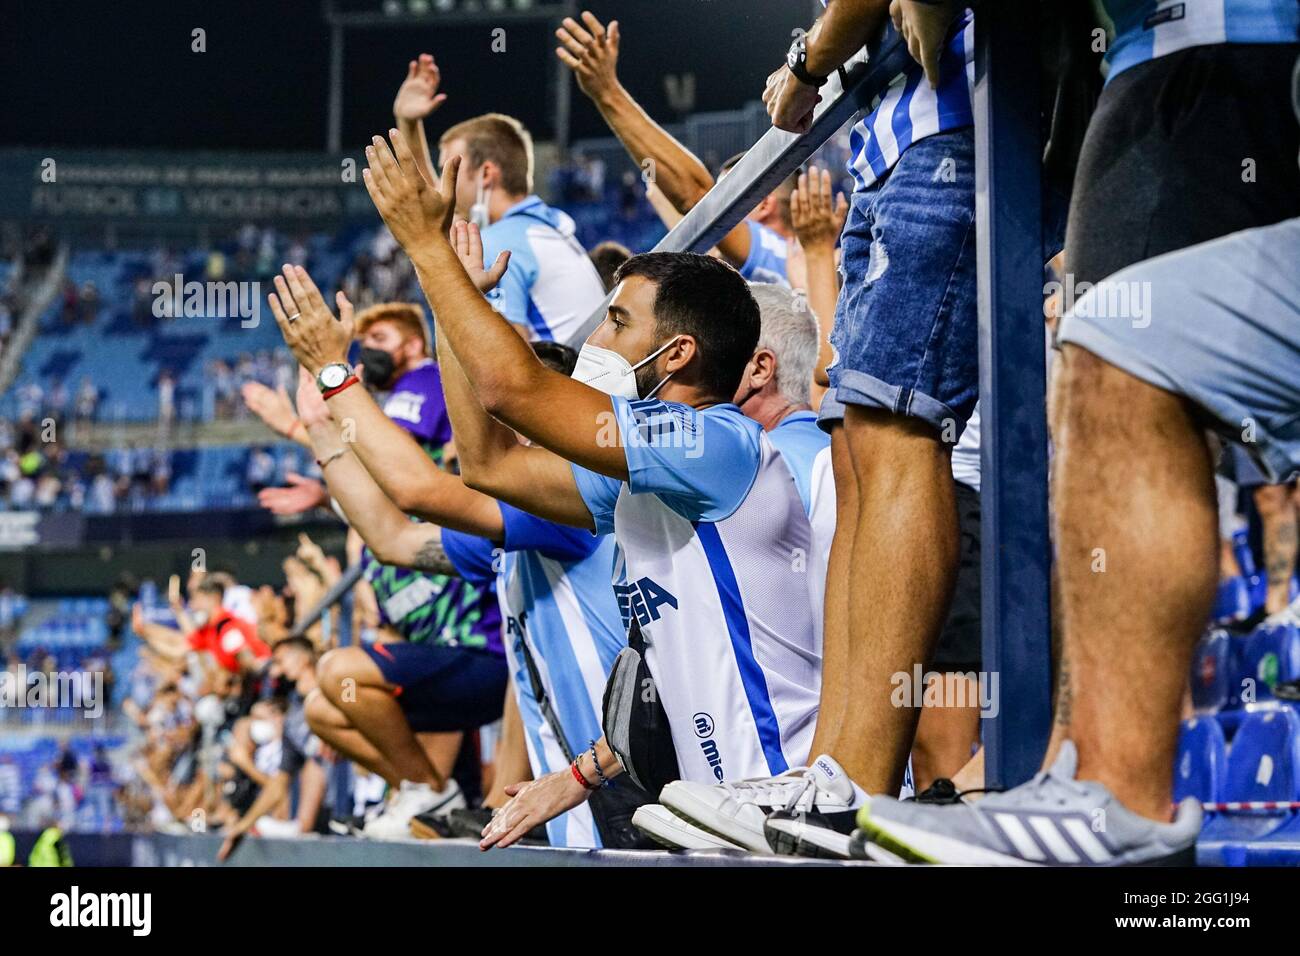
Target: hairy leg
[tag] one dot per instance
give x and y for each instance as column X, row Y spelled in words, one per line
column 1136, row 537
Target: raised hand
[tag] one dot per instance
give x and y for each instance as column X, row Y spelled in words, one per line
column 414, row 210
column 816, row 216
column 418, row 95
column 591, row 52
column 301, row 494
column 272, row 406
column 468, row 243
column 310, row 329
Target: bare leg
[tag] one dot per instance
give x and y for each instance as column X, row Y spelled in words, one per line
column 511, row 762
column 331, row 725
column 946, row 735
column 351, row 682
column 1277, row 513
column 904, row 564
column 836, row 639
column 971, row 776
column 1136, row 536
column 442, row 749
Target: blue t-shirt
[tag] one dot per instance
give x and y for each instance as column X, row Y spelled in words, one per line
column 665, row 444
column 768, row 255
column 550, row 286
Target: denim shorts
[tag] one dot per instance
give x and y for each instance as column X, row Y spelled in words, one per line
column 1217, row 323
column 905, row 334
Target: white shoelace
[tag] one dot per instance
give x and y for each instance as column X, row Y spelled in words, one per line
column 791, row 789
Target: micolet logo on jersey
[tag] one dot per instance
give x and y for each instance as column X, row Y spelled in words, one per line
column 704, row 729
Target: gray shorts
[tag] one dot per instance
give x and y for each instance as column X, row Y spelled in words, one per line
column 1217, row 323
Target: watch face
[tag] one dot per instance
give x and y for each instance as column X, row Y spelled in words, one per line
column 795, row 54
column 332, row 376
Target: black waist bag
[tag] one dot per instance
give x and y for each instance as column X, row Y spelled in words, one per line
column 635, row 723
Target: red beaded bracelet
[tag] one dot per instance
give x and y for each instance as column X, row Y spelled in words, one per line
column 578, row 776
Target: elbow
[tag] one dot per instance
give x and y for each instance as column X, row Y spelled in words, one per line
column 477, row 477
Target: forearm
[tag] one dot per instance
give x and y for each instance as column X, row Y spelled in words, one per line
column 823, row 293
column 609, row 765
column 268, row 798
column 842, row 31
column 482, row 442
column 369, row 510
column 679, row 173
column 401, row 471
column 414, row 132
column 499, row 365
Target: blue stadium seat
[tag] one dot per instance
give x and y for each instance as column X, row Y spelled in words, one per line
column 1269, row 654
column 1263, row 767
column 1201, row 764
column 1212, row 672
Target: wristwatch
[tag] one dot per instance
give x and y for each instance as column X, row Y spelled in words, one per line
column 332, row 377
column 797, row 61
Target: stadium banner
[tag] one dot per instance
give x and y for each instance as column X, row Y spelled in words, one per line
column 128, row 188
column 20, row 530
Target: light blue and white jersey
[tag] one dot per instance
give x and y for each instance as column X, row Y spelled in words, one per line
column 1147, row 29
column 553, row 584
column 710, row 527
column 910, row 109
column 768, row 255
column 550, row 286
column 806, row 450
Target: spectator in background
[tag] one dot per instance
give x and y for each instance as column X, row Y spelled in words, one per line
column 11, row 786
column 89, row 303
column 757, row 246
column 166, row 398
column 607, row 257
column 550, row 286
column 260, row 472
column 87, row 401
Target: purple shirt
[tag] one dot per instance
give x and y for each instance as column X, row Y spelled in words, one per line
column 416, row 404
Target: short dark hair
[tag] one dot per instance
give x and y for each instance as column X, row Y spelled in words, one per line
column 703, row 297
column 302, row 643
column 556, row 356
column 607, row 256
column 211, row 584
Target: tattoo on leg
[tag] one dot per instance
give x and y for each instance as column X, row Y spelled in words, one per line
column 1280, row 552
column 1064, row 693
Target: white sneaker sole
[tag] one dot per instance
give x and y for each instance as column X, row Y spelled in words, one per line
column 682, row 801
column 923, row 846
column 662, row 825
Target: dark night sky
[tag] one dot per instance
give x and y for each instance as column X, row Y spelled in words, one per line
column 121, row 74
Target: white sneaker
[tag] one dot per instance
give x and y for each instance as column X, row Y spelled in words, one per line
column 736, row 811
column 661, row 824
column 411, row 800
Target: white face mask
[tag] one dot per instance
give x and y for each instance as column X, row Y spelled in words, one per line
column 478, row 213
column 262, row 732
column 609, row 372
